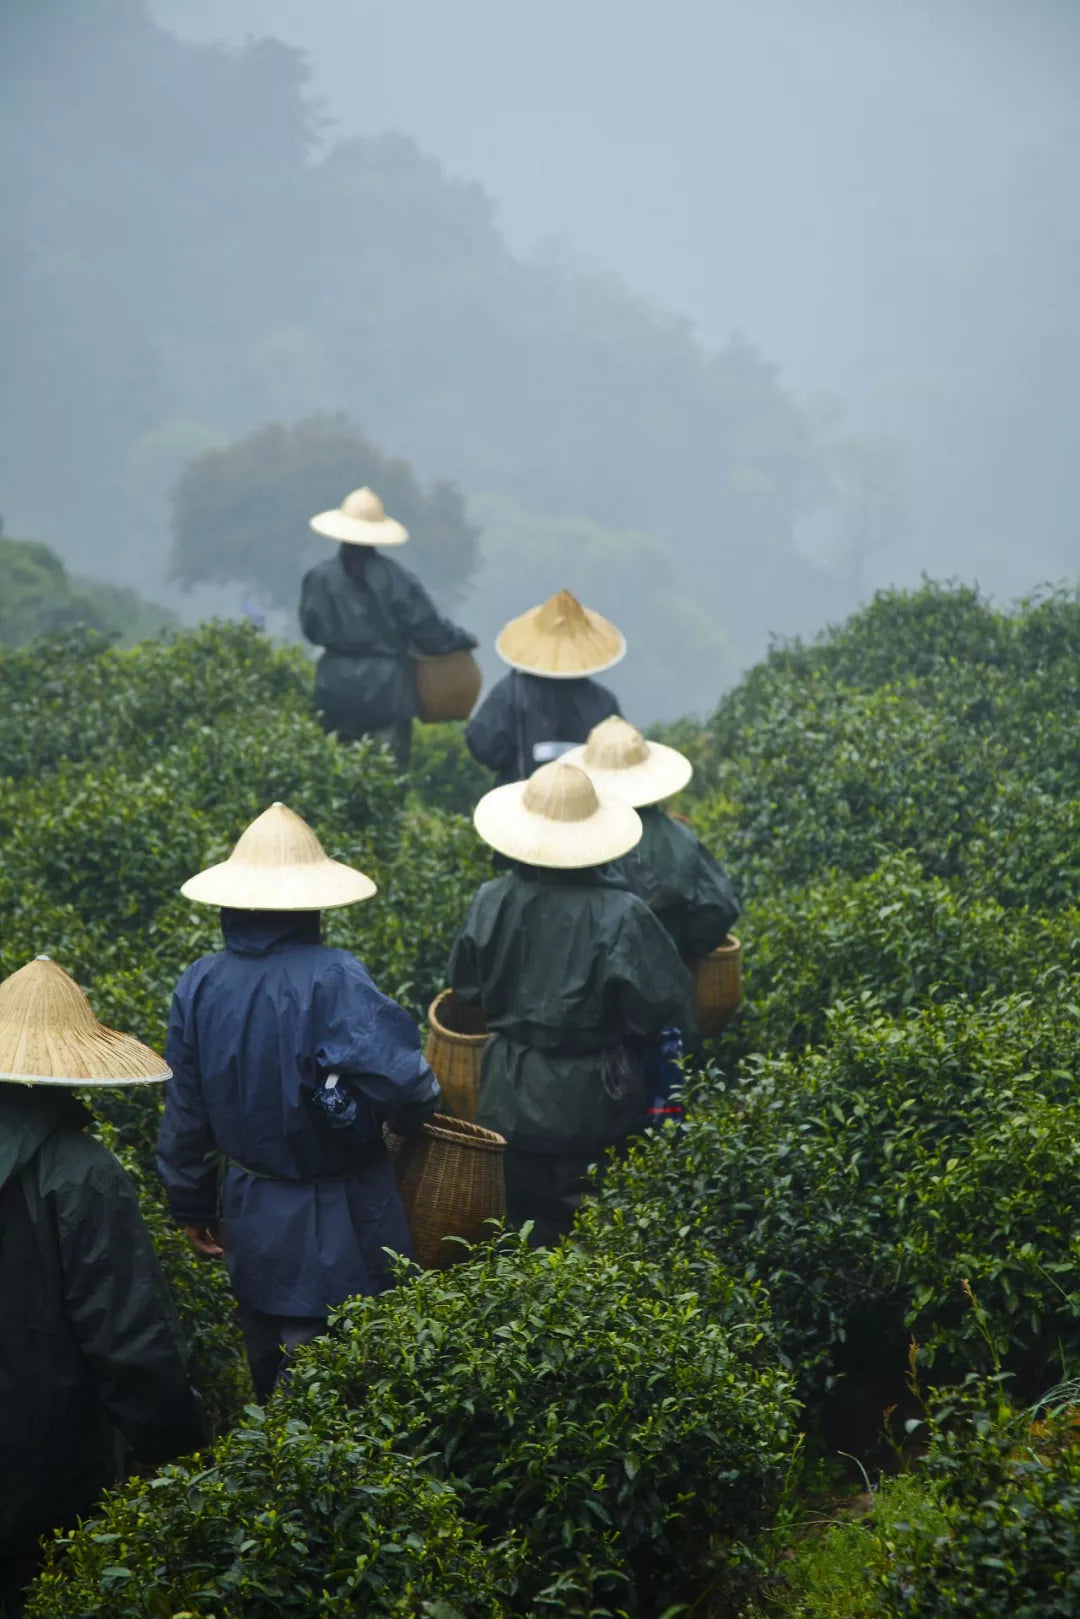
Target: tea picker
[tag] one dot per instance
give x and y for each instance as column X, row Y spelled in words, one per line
column 670, row 869
column 575, row 978
column 88, row 1338
column 549, row 701
column 287, row 1061
column 375, row 620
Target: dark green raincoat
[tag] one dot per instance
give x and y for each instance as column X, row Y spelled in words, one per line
column 575, row 975
column 369, row 617
column 88, row 1339
column 680, row 881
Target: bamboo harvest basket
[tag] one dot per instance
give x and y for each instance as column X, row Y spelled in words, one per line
column 456, row 1039
column 447, row 687
column 717, row 985
column 450, row 1177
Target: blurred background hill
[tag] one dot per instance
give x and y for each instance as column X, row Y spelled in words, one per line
column 208, row 233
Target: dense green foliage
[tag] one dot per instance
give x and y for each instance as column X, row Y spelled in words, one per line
column 878, row 1168
column 38, row 597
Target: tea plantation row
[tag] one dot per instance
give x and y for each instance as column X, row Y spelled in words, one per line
column 883, row 1149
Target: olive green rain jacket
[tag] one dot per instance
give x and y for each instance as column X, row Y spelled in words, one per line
column 364, row 681
column 575, row 977
column 88, row 1340
column 680, row 881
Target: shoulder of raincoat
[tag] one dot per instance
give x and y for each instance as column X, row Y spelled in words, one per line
column 681, row 882
column 307, row 1210
column 524, row 719
column 574, row 975
column 88, row 1337
column 368, row 628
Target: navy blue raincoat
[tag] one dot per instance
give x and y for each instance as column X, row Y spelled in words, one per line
column 255, row 1029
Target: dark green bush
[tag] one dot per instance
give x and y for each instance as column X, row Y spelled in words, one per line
column 284, row 1518
column 628, row 1421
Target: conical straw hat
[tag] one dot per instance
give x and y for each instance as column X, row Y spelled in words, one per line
column 556, row 818
column 622, row 765
column 360, row 520
column 561, row 639
column 50, row 1036
column 279, row 865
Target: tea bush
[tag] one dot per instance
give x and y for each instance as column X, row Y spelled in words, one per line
column 627, row 1421
column 285, row 1518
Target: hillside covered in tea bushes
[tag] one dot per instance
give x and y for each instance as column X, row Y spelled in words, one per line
column 873, row 1198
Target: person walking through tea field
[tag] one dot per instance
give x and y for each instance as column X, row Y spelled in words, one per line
column 370, row 614
column 88, row 1339
column 575, row 978
column 549, row 701
column 670, row 869
column 286, row 1061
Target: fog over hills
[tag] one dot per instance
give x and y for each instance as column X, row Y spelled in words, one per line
column 753, row 307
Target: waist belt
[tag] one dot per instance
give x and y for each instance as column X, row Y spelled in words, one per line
column 301, row 1180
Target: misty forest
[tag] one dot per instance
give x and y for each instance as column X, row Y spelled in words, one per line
column 753, row 329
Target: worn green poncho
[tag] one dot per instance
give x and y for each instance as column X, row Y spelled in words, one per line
column 680, row 881
column 574, row 974
column 369, row 621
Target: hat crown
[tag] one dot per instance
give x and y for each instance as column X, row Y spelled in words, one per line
column 560, row 792
column 615, row 744
column 277, row 839
column 364, row 506
column 43, row 998
column 562, row 614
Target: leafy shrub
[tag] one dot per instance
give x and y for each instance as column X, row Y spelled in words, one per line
column 444, row 772
column 866, row 1180
column 284, row 1518
column 627, row 1420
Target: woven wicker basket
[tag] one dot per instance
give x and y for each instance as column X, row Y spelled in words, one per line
column 455, row 1049
column 447, row 687
column 450, row 1177
column 717, row 985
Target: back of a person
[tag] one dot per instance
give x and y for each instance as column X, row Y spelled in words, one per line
column 534, row 919
column 259, row 1021
column 56, row 1445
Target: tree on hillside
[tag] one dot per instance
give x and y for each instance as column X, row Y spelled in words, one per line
column 38, row 597
column 240, row 514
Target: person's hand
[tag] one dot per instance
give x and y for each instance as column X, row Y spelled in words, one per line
column 205, row 1239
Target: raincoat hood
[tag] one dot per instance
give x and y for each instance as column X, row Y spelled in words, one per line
column 254, row 933
column 28, row 1116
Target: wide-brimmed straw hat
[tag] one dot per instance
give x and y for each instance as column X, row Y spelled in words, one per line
column 360, row 520
column 561, row 639
column 556, row 818
column 623, row 765
column 50, row 1036
column 279, row 865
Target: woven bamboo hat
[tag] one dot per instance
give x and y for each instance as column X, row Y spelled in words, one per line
column 50, row 1036
column 360, row 520
column 561, row 639
column 279, row 865
column 556, row 818
column 622, row 765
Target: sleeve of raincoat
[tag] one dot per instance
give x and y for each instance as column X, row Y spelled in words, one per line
column 463, row 974
column 186, row 1155
column 423, row 626
column 313, row 616
column 118, row 1304
column 712, row 908
column 491, row 734
column 369, row 1037
column 651, row 980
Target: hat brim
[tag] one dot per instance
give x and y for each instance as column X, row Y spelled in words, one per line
column 318, row 887
column 104, row 1058
column 665, row 773
column 505, row 824
column 354, row 531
